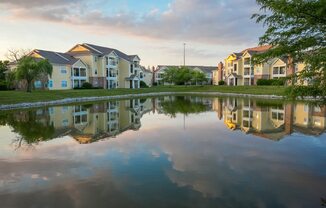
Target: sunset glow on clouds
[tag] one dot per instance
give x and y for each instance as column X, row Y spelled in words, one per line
column 156, row 30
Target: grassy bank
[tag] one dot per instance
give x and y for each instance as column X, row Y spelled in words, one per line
column 11, row 97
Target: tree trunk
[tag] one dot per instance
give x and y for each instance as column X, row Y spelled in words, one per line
column 29, row 86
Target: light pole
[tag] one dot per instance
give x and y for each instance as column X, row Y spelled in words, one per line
column 184, row 54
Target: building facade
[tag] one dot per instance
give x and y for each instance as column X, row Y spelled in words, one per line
column 239, row 69
column 103, row 67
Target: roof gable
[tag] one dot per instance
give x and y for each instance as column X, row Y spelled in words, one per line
column 54, row 57
column 79, row 48
column 35, row 54
column 105, row 50
column 278, row 61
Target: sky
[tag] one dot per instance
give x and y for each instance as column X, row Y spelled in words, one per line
column 153, row 29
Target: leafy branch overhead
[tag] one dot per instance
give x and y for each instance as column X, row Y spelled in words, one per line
column 297, row 30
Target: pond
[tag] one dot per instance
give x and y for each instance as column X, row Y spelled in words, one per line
column 165, row 152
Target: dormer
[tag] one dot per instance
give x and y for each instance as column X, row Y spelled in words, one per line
column 246, row 57
column 111, row 60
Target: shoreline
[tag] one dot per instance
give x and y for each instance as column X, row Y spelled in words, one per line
column 126, row 96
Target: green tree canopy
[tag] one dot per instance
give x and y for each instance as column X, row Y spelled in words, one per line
column 29, row 69
column 4, row 66
column 183, row 75
column 198, row 77
column 170, row 75
column 296, row 29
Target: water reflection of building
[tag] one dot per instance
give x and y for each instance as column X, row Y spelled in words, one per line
column 270, row 121
column 89, row 123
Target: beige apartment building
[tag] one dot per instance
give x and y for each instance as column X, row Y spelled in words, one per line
column 103, row 67
column 88, row 124
column 270, row 122
column 239, row 69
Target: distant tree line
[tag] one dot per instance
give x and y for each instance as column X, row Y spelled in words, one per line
column 183, row 76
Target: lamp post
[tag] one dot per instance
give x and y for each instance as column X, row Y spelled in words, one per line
column 184, row 54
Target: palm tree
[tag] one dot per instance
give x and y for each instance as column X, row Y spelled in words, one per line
column 30, row 69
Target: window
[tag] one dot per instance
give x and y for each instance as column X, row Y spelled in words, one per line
column 131, row 68
column 50, row 83
column 235, row 67
column 38, row 84
column 106, row 60
column 282, row 70
column 63, row 70
column 275, row 70
column 279, row 71
column 64, row 109
column 247, row 61
column 51, row 110
column 65, row 122
column 95, row 58
column 76, row 72
column 82, row 72
column 64, row 83
column 95, row 71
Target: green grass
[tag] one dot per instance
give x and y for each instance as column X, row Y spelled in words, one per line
column 11, row 97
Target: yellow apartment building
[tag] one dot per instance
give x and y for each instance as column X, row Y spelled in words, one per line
column 239, row 69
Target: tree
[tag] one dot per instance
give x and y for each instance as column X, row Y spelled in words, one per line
column 170, row 75
column 4, row 66
column 14, row 54
column 297, row 30
column 3, row 69
column 198, row 77
column 29, row 69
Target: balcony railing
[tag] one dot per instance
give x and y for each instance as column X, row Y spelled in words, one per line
column 113, row 63
column 248, row 72
column 246, row 63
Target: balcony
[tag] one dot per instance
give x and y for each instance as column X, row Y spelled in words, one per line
column 247, row 62
column 79, row 73
column 248, row 73
column 112, row 74
column 111, row 62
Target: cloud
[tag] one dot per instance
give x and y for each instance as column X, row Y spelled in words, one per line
column 218, row 22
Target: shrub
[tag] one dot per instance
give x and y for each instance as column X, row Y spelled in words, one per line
column 3, row 85
column 278, row 82
column 221, row 82
column 143, row 84
column 87, row 85
column 264, row 81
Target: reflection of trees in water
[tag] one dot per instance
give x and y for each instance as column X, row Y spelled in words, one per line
column 181, row 105
column 31, row 126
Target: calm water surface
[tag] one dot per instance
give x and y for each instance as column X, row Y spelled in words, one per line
column 165, row 152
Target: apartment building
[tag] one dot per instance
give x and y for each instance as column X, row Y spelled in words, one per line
column 109, row 68
column 68, row 71
column 239, row 69
column 103, row 67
